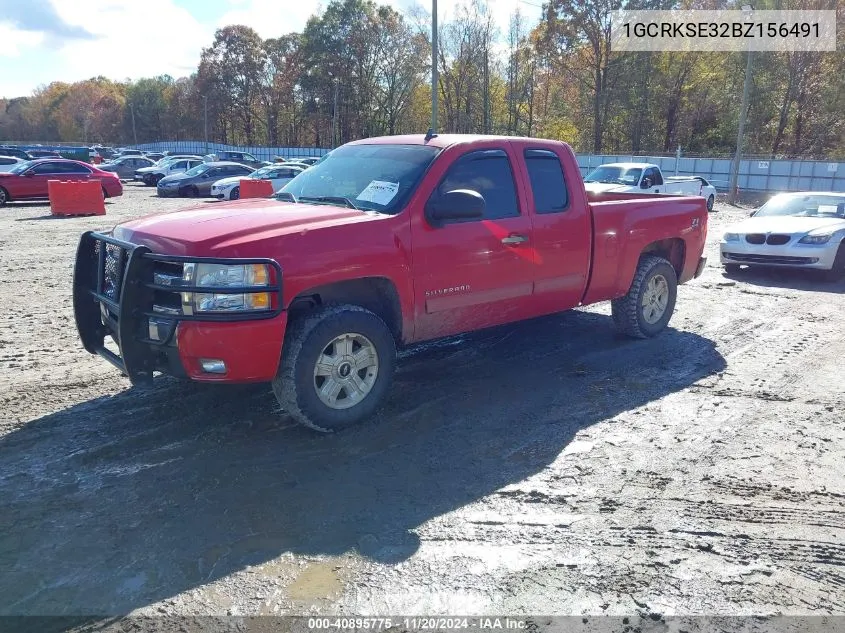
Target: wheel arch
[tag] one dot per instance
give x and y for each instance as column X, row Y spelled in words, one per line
column 376, row 294
column 673, row 249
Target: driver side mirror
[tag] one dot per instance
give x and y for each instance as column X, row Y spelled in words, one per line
column 458, row 204
column 646, row 183
column 28, row 174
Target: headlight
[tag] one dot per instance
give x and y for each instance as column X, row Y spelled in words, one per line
column 815, row 239
column 240, row 276
column 731, row 237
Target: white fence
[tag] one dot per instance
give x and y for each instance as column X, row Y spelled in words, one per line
column 754, row 175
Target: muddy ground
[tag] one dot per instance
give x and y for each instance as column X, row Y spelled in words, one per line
column 547, row 467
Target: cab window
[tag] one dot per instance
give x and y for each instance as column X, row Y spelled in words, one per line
column 489, row 173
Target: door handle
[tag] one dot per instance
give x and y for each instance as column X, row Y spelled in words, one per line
column 512, row 240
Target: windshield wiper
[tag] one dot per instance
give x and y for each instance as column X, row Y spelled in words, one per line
column 335, row 199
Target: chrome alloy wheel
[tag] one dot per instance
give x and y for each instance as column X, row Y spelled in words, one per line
column 655, row 299
column 346, row 371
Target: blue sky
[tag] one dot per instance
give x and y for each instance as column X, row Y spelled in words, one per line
column 69, row 40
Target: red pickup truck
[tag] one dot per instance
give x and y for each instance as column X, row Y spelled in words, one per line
column 386, row 242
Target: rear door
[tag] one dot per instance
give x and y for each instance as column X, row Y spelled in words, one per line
column 561, row 233
column 476, row 273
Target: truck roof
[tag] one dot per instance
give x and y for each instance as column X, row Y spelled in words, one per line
column 447, row 140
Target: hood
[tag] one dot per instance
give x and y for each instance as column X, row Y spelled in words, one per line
column 222, row 229
column 603, row 187
column 787, row 224
column 175, row 178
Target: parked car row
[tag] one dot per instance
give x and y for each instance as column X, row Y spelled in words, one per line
column 27, row 180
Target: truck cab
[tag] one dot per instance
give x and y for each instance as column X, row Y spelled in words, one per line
column 388, row 241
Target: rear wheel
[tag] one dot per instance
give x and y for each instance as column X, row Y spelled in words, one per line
column 646, row 309
column 105, row 193
column 838, row 271
column 235, row 194
column 337, row 366
column 4, row 196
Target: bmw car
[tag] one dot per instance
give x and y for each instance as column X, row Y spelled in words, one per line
column 795, row 230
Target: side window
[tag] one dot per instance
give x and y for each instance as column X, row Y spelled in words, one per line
column 73, row 168
column 547, row 182
column 250, row 157
column 489, row 173
column 180, row 164
column 47, row 168
column 656, row 178
column 236, row 156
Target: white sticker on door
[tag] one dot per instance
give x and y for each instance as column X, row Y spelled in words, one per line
column 379, row 192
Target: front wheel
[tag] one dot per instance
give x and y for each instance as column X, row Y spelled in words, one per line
column 646, row 309
column 235, row 194
column 189, row 192
column 337, row 366
column 837, row 272
column 710, row 202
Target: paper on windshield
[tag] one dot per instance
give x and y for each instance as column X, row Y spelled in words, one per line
column 379, row 192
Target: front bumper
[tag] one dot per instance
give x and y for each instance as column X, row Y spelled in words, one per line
column 792, row 255
column 117, row 289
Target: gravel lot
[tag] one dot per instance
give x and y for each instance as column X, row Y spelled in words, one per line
column 547, row 467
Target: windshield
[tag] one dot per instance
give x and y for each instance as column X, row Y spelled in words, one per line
column 21, row 167
column 262, row 173
column 373, row 177
column 199, row 169
column 617, row 175
column 804, row 205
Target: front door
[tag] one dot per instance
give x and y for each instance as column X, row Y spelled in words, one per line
column 476, row 273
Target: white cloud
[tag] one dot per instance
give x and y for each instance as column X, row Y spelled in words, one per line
column 133, row 39
column 14, row 40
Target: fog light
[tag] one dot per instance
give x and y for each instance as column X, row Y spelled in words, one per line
column 213, row 366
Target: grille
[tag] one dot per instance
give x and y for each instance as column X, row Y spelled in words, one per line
column 755, row 238
column 777, row 240
column 770, row 259
column 114, row 263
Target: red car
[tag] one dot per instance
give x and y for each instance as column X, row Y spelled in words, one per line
column 389, row 241
column 28, row 181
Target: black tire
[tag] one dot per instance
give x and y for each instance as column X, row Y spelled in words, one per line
column 295, row 386
column 105, row 194
column 710, row 202
column 236, row 193
column 629, row 312
column 731, row 269
column 189, row 192
column 4, row 197
column 838, row 271
column 154, row 180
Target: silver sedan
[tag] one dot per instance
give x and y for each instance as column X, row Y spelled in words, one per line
column 796, row 230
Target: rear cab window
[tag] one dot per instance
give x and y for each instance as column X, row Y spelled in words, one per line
column 548, row 183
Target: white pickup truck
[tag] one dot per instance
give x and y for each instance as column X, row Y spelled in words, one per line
column 647, row 178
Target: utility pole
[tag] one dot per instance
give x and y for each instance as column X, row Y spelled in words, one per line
column 743, row 114
column 434, row 78
column 334, row 117
column 134, row 132
column 205, row 120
